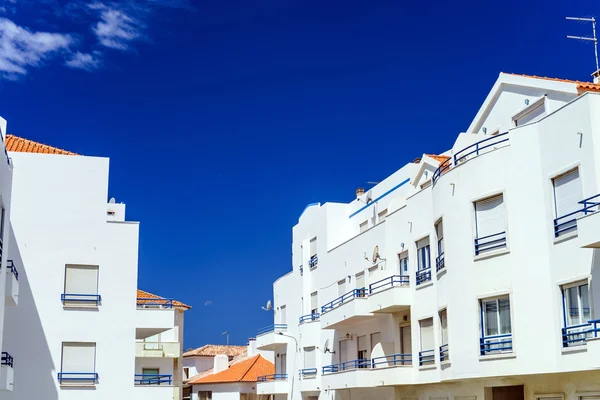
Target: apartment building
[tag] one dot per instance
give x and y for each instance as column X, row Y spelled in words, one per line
column 464, row 275
column 81, row 329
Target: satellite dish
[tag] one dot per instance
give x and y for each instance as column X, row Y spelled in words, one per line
column 112, row 200
column 376, row 254
column 268, row 307
column 369, row 197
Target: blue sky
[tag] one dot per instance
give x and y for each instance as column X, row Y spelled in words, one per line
column 224, row 119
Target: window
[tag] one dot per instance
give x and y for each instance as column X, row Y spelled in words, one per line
column 342, row 287
column 576, row 312
column 444, row 355
column 567, row 195
column 314, row 303
column 81, row 286
column 283, row 364
column 360, row 284
column 375, row 339
column 427, row 354
column 150, row 376
column 204, row 395
column 312, row 263
column 364, row 226
column 423, row 261
column 362, row 351
column 186, row 372
column 426, row 184
column 343, row 351
column 382, row 215
column 403, row 263
column 532, row 113
column 406, row 345
column 78, row 363
column 490, row 225
column 439, row 232
column 496, row 329
column 309, row 358
column 282, row 315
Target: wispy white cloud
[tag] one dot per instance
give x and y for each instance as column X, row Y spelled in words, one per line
column 20, row 48
column 116, row 29
column 85, row 61
column 207, row 303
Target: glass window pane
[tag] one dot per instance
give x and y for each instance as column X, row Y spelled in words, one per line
column 490, row 316
column 504, row 305
column 572, row 306
column 585, row 303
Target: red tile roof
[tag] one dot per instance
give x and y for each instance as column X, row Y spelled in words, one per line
column 440, row 159
column 581, row 86
column 21, row 145
column 145, row 295
column 211, row 350
column 247, row 370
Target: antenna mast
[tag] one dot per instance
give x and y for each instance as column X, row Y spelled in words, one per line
column 226, row 333
column 593, row 39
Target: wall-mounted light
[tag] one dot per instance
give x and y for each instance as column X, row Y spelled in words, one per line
column 526, row 102
column 484, row 129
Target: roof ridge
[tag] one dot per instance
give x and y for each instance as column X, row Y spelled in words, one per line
column 256, row 357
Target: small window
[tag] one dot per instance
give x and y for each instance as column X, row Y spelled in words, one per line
column 427, row 353
column 283, row 315
column 496, row 330
column 78, row 364
column 576, row 314
column 403, row 263
column 534, row 112
column 567, row 195
column 382, row 215
column 314, row 303
column 426, row 184
column 342, row 287
column 440, row 260
column 490, row 225
column 423, row 261
column 364, row 226
column 81, row 286
column 312, row 263
column 444, row 354
column 363, row 352
column 204, row 395
column 186, row 372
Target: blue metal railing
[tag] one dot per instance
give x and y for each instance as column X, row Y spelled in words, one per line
column 390, row 281
column 354, row 293
column 444, row 353
column 271, row 328
column 78, row 377
column 78, row 298
column 347, row 366
column 308, row 373
column 578, row 334
column 427, row 357
column 11, row 267
column 6, row 359
column 463, row 154
column 495, row 343
column 272, row 377
column 392, row 360
column 153, row 379
column 423, row 275
column 439, row 263
column 490, row 242
column 314, row 260
column 588, row 204
column 301, row 270
column 154, row 302
column 568, row 222
column 309, row 318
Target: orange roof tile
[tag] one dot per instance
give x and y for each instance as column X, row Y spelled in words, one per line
column 21, row 145
column 247, row 370
column 145, row 295
column 211, row 350
column 581, row 86
column 440, row 159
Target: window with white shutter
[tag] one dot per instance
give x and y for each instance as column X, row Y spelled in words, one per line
column 567, row 195
column 490, row 224
column 362, row 351
column 314, row 303
column 439, row 232
column 427, row 354
column 364, row 226
column 78, row 363
column 283, row 315
column 423, row 273
column 444, row 353
column 312, row 263
column 342, row 287
column 309, row 357
column 577, row 313
column 81, row 286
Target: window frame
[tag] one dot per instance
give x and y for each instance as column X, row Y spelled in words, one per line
column 494, row 251
column 482, row 329
column 531, row 108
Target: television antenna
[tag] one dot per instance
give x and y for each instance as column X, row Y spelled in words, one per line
column 226, row 333
column 593, row 39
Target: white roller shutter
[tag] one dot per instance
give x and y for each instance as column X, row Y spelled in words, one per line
column 79, row 357
column 444, row 326
column 360, row 280
column 81, row 279
column 567, row 193
column 490, row 216
column 313, row 302
column 341, row 287
column 427, row 342
column 309, row 357
column 313, row 246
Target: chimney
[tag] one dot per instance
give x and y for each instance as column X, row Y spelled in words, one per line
column 221, row 363
column 360, row 192
column 596, row 76
column 417, row 160
column 251, row 347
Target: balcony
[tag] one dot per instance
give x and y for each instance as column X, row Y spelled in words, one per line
column 495, row 344
column 269, row 337
column 308, row 318
column 80, row 300
column 426, row 357
column 309, row 381
column 393, row 369
column 444, row 353
column 77, row 378
column 587, row 225
column 6, row 372
column 12, row 284
column 153, row 316
column 272, row 384
column 348, row 309
column 440, row 263
column 490, row 243
column 390, row 294
column 423, row 276
column 158, row 350
column 153, row 379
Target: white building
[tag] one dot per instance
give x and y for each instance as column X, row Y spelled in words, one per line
column 467, row 275
column 201, row 359
column 81, row 329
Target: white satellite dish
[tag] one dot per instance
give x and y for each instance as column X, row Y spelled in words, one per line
column 369, row 197
column 376, row 254
column 112, row 200
column 268, row 307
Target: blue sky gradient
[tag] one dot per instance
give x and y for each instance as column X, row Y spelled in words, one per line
column 224, row 119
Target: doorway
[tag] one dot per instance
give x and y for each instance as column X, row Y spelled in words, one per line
column 508, row 393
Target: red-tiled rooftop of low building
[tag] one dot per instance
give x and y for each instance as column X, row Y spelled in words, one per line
column 152, row 298
column 211, row 350
column 581, row 85
column 245, row 371
column 22, row 145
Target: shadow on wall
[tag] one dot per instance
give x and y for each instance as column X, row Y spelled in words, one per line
column 24, row 339
column 595, row 273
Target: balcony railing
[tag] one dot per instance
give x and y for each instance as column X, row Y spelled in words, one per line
column 347, row 365
column 6, row 359
column 426, row 357
column 579, row 334
column 309, row 318
column 271, row 328
column 490, row 243
column 77, row 377
column 440, row 263
column 568, row 222
column 152, row 302
column 496, row 344
column 11, row 267
column 314, row 260
column 272, row 377
column 89, row 299
column 590, row 203
column 308, row 373
column 464, row 154
column 423, row 275
column 355, row 293
column 390, row 281
column 392, row 359
column 153, row 379
column 444, row 354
